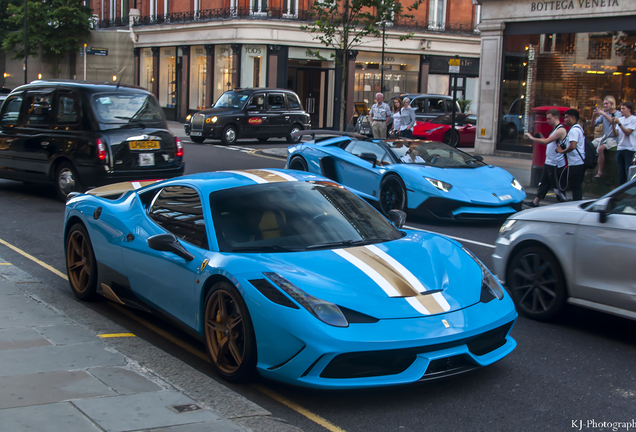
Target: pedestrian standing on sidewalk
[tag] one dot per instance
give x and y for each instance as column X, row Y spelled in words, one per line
column 380, row 114
column 575, row 152
column 626, row 140
column 554, row 161
column 407, row 120
column 608, row 140
column 395, row 109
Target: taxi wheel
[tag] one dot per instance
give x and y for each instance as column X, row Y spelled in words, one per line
column 229, row 335
column 66, row 180
column 229, row 135
column 292, row 139
column 536, row 283
column 197, row 140
column 80, row 263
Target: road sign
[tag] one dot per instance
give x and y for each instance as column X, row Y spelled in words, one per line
column 453, row 69
column 453, row 65
column 97, row 51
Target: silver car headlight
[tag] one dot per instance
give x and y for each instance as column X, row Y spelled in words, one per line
column 441, row 185
column 325, row 311
column 490, row 288
column 515, row 184
column 506, row 226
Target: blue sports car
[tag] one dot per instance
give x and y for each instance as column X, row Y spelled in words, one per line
column 289, row 275
column 426, row 178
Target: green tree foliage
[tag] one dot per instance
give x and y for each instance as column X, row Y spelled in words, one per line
column 344, row 24
column 54, row 27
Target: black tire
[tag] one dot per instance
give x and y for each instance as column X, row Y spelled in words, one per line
column 263, row 140
column 81, row 266
column 536, row 283
column 392, row 194
column 229, row 335
column 451, row 138
column 295, row 128
column 229, row 135
column 297, row 163
column 66, row 180
column 197, row 139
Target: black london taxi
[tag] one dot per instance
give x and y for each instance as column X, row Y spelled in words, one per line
column 261, row 113
column 77, row 135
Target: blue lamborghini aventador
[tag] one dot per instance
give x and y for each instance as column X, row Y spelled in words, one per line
column 426, row 178
column 291, row 276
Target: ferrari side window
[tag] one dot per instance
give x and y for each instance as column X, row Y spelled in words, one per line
column 178, row 210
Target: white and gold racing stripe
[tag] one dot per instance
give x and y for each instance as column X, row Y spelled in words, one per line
column 121, row 187
column 264, row 176
column 394, row 279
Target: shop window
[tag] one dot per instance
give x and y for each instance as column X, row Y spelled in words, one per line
column 198, row 76
column 565, row 43
column 600, row 47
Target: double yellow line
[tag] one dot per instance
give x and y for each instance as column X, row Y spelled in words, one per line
column 294, row 406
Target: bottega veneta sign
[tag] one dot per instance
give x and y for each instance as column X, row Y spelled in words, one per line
column 571, row 4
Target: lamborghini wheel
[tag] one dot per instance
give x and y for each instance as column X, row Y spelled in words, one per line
column 229, row 335
column 392, row 194
column 80, row 263
column 536, row 283
column 298, row 163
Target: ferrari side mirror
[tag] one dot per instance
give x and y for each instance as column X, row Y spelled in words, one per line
column 169, row 243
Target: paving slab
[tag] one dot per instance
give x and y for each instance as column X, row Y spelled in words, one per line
column 218, row 425
column 67, row 334
column 21, row 311
column 124, row 381
column 21, row 337
column 58, row 417
column 5, row 287
column 57, row 358
column 142, row 411
column 14, row 274
column 49, row 387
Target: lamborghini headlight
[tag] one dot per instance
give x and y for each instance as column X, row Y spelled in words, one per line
column 515, row 184
column 443, row 186
column 214, row 119
column 490, row 287
column 325, row 311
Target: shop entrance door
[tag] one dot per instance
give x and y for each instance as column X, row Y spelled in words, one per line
column 311, row 86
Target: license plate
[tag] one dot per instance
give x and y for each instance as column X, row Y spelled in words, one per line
column 146, row 159
column 196, row 133
column 144, row 145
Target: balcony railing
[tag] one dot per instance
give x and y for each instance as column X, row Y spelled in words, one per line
column 222, row 14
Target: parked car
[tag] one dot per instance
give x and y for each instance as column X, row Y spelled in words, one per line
column 291, row 276
column 261, row 113
column 428, row 178
column 580, row 252
column 78, row 135
column 439, row 129
column 429, row 106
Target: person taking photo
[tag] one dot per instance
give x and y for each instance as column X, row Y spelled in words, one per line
column 575, row 151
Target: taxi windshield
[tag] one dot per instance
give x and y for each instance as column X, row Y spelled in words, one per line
column 295, row 216
column 232, row 99
column 119, row 109
column 432, row 153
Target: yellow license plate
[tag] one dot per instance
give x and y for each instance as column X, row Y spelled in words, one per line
column 144, row 145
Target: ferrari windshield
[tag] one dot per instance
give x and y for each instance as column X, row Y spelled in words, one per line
column 295, row 216
column 232, row 99
column 432, row 153
column 128, row 108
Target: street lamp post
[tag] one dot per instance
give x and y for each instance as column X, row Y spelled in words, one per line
column 382, row 63
column 25, row 41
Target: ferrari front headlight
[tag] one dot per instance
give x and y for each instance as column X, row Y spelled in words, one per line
column 490, row 287
column 325, row 311
column 515, row 184
column 441, row 185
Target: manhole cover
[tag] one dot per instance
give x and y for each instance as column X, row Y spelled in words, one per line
column 179, row 409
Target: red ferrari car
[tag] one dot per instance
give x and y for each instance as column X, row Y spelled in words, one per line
column 439, row 129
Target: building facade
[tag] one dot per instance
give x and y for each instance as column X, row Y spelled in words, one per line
column 188, row 52
column 569, row 53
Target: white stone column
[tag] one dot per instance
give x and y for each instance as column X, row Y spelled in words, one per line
column 490, row 73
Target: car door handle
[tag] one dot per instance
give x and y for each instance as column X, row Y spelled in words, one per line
column 45, row 143
column 286, row 117
column 9, row 140
column 264, row 118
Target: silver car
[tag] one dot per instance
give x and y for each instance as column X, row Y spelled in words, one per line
column 581, row 252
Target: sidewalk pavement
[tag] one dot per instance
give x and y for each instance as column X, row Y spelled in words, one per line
column 59, row 375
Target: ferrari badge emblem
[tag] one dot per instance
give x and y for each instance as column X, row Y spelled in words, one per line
column 446, row 324
column 204, row 264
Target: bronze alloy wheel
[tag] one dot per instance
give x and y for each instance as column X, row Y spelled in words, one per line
column 80, row 263
column 228, row 332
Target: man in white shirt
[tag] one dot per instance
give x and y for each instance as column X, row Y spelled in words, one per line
column 608, row 140
column 625, row 127
column 380, row 114
column 575, row 152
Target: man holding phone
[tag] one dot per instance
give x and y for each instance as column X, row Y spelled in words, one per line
column 554, row 161
column 575, row 151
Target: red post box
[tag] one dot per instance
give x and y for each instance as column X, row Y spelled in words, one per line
column 538, row 150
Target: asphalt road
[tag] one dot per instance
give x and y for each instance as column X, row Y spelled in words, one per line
column 580, row 368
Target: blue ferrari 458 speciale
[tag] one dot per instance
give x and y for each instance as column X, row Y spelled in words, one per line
column 291, row 276
column 426, row 178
